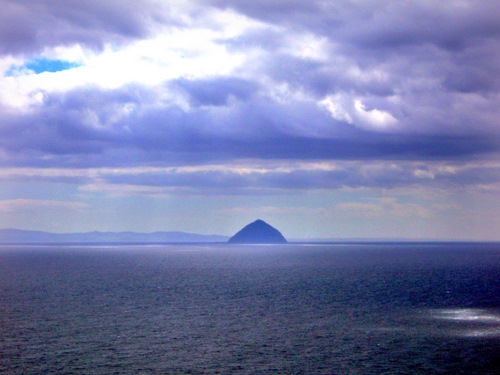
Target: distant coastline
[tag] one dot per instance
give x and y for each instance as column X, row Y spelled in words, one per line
column 32, row 237
column 29, row 236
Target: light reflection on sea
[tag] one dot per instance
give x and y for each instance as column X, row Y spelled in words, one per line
column 466, row 322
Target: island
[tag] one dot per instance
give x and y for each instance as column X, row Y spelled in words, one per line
column 258, row 232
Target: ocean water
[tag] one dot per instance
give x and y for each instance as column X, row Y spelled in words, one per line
column 220, row 309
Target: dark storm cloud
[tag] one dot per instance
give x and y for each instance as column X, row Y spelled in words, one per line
column 28, row 26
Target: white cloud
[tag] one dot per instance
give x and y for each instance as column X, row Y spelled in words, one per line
column 197, row 52
column 308, row 46
column 336, row 105
column 374, row 118
column 345, row 107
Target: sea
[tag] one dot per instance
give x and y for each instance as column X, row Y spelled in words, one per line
column 338, row 308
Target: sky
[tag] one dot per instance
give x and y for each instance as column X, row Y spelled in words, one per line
column 327, row 119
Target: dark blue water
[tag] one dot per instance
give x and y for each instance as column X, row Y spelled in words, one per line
column 219, row 309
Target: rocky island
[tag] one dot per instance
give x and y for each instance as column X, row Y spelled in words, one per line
column 258, row 232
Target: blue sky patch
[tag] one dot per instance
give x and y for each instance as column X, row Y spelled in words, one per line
column 42, row 65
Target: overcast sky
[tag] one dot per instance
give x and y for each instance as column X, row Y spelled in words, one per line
column 340, row 119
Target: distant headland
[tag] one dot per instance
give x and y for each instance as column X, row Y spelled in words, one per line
column 258, row 232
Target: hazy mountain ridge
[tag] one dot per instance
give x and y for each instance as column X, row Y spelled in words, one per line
column 31, row 236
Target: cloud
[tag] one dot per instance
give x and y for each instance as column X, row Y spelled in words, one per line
column 30, row 26
column 373, row 65
column 392, row 93
column 253, row 177
column 353, row 111
column 430, row 68
column 217, row 91
column 376, row 24
column 219, row 119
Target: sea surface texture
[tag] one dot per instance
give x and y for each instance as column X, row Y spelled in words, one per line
column 225, row 309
